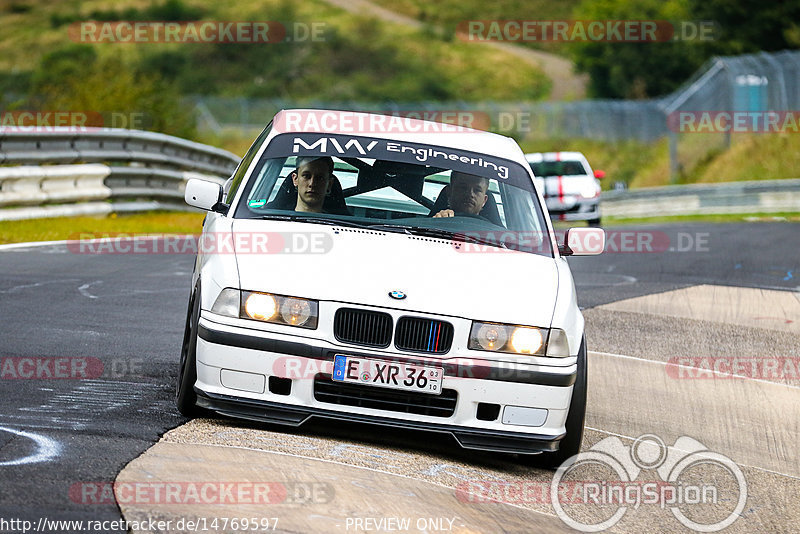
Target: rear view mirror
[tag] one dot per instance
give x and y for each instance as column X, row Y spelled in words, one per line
column 599, row 174
column 204, row 195
column 583, row 242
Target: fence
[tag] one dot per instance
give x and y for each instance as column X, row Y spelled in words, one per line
column 119, row 170
column 755, row 83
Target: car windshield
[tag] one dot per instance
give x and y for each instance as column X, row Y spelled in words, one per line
column 494, row 204
column 558, row 168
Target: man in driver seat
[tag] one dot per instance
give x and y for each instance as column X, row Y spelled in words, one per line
column 467, row 194
column 313, row 180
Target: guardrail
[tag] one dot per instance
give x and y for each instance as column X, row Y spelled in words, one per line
column 113, row 170
column 98, row 171
column 760, row 196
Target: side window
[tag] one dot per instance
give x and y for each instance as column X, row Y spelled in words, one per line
column 241, row 170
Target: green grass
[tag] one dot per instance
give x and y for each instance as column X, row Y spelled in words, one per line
column 62, row 228
column 702, row 158
column 722, row 218
column 448, row 14
column 360, row 58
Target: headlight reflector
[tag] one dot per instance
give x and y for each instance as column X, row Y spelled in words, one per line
column 491, row 336
column 295, row 311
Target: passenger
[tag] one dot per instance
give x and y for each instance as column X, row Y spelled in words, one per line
column 467, row 194
column 313, row 179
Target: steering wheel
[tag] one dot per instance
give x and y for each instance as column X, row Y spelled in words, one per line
column 472, row 215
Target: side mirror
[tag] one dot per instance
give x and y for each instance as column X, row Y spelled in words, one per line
column 599, row 174
column 583, row 242
column 204, row 195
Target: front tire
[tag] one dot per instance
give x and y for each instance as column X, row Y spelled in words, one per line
column 571, row 443
column 185, row 397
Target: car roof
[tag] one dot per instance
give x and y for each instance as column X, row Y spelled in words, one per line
column 535, row 157
column 400, row 129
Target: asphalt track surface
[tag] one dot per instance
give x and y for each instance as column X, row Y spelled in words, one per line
column 122, row 315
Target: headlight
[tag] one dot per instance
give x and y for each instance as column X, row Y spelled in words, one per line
column 590, row 192
column 497, row 337
column 260, row 306
column 279, row 309
column 267, row 307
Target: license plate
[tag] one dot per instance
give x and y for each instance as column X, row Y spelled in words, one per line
column 393, row 375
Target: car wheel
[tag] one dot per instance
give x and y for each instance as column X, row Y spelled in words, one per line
column 595, row 223
column 571, row 443
column 185, row 397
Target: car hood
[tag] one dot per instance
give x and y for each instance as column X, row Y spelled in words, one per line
column 358, row 266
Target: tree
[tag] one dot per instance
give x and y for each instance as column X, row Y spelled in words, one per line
column 635, row 69
column 745, row 26
column 76, row 79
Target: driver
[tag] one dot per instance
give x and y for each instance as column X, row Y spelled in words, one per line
column 467, row 194
column 313, row 180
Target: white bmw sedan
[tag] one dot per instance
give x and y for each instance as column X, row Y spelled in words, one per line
column 390, row 271
column 570, row 188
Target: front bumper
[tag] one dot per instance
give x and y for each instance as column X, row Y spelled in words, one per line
column 236, row 368
column 581, row 210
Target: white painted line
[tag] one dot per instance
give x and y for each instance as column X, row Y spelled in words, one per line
column 84, row 289
column 10, row 246
column 704, row 370
column 37, row 284
column 47, row 449
column 123, row 236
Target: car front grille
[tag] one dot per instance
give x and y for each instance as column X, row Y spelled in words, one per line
column 423, row 335
column 378, row 398
column 363, row 327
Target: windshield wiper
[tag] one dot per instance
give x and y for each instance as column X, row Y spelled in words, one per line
column 314, row 220
column 395, row 228
column 447, row 234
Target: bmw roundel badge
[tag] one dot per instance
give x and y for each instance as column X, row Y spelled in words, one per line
column 397, row 295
